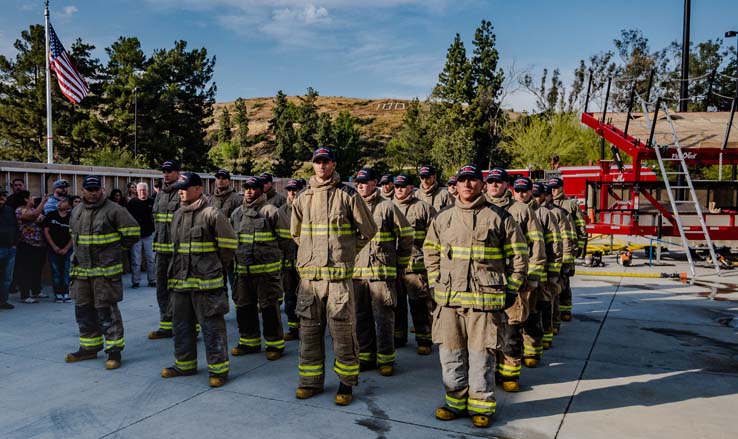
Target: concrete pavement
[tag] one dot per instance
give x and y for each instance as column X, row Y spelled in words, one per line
column 641, row 358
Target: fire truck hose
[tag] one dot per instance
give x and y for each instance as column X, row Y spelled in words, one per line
column 627, row 274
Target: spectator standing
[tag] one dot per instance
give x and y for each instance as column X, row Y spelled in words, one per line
column 8, row 237
column 30, row 250
column 132, row 191
column 75, row 200
column 116, row 196
column 59, row 240
column 141, row 208
column 60, row 191
column 18, row 185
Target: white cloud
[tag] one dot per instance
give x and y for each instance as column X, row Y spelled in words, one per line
column 68, row 11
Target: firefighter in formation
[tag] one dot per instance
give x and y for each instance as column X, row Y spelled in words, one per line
column 483, row 271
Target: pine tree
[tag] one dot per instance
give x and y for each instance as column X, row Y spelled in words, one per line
column 455, row 84
column 285, row 139
column 307, row 134
column 324, row 136
column 245, row 162
column 346, row 139
column 225, row 126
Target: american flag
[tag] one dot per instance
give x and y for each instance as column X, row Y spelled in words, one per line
column 72, row 84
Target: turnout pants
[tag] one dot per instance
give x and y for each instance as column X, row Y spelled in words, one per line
column 565, row 303
column 208, row 308
column 96, row 310
column 375, row 320
column 256, row 293
column 321, row 304
column 163, row 294
column 533, row 328
column 290, row 281
column 413, row 288
column 467, row 342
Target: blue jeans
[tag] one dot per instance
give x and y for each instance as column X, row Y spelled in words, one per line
column 7, row 262
column 60, row 271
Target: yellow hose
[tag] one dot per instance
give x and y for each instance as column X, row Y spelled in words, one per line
column 626, row 274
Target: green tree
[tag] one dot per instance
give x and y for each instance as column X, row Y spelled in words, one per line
column 455, row 84
column 225, row 126
column 285, row 138
column 452, row 139
column 346, row 139
column 410, row 147
column 245, row 161
column 307, row 118
column 324, row 136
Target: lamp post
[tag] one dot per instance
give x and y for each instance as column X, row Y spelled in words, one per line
column 135, row 121
column 731, row 34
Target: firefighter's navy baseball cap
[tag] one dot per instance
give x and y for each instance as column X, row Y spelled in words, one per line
column 187, row 180
column 469, row 171
column 497, row 174
column 323, row 153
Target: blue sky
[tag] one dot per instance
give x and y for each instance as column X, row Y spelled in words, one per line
column 367, row 49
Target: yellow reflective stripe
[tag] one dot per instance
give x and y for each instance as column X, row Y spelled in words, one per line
column 418, row 265
column 534, row 235
column 471, row 299
column 366, row 356
column 565, row 307
column 163, row 217
column 249, row 341
column 279, row 344
column 431, row 245
column 226, row 242
column 580, row 244
column 422, row 336
column 193, row 283
column 310, row 371
column 97, row 271
column 115, row 343
column 130, row 231
column 532, row 350
column 477, row 252
column 419, row 235
column 328, row 273
column 406, row 231
column 327, row 229
column 91, row 342
column 458, row 404
column 288, row 263
column 509, row 371
column 196, row 247
column 479, row 406
column 250, row 238
column 259, row 268
column 284, row 233
column 186, row 365
column 579, row 222
column 554, row 267
column 513, row 283
column 536, row 269
column 107, row 238
column 519, row 248
column 219, row 368
column 163, row 247
column 167, row 326
column 568, row 234
column 569, row 259
column 548, row 336
column 345, row 369
column 385, row 358
column 403, row 260
column 375, row 271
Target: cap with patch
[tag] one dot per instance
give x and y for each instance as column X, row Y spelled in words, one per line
column 253, row 182
column 386, row 179
column 365, row 174
column 223, row 173
column 403, row 180
column 496, row 174
column 556, row 182
column 323, row 153
column 92, row 182
column 266, row 177
column 294, row 185
column 170, row 165
column 303, row 182
column 469, row 171
column 427, row 171
column 537, row 189
column 523, row 184
column 187, row 180
column 451, row 181
column 61, row 183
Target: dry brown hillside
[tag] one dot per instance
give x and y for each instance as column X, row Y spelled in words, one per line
column 378, row 118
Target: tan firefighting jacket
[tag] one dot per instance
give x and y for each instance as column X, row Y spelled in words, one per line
column 330, row 224
column 226, row 201
column 474, row 252
column 100, row 233
column 552, row 238
column 567, row 230
column 290, row 248
column 576, row 217
column 275, row 198
column 436, row 196
column 419, row 214
column 263, row 235
column 533, row 231
column 387, row 195
column 165, row 204
column 204, row 243
column 390, row 248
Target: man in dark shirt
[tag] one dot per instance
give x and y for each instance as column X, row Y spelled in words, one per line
column 59, row 238
column 8, row 237
column 142, row 210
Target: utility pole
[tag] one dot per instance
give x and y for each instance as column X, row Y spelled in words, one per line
column 684, row 91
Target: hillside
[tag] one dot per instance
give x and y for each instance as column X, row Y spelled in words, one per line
column 378, row 119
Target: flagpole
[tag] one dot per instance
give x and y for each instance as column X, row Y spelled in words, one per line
column 49, row 131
